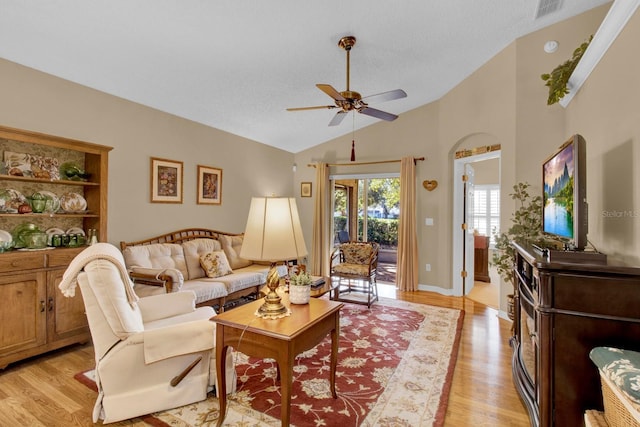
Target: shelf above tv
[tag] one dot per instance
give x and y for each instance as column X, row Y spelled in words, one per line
column 611, row 26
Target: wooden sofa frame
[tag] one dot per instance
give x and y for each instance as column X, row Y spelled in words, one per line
column 179, row 237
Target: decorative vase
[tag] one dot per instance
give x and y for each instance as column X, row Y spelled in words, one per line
column 299, row 294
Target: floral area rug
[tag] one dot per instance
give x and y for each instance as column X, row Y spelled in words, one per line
column 395, row 365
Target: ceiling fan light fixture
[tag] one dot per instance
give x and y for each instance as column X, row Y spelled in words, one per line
column 349, row 100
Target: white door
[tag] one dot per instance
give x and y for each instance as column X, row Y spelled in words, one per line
column 467, row 230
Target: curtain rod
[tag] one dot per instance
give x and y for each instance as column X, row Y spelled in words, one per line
column 415, row 160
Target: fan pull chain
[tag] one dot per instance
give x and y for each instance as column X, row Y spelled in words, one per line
column 353, row 137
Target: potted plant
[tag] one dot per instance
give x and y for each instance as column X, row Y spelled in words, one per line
column 300, row 287
column 526, row 227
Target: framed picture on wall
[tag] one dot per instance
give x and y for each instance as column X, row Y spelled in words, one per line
column 209, row 185
column 166, row 181
column 305, row 189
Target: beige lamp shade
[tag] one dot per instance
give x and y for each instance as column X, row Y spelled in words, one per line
column 273, row 231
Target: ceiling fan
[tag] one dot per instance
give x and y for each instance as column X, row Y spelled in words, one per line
column 349, row 100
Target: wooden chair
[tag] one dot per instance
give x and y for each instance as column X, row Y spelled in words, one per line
column 354, row 265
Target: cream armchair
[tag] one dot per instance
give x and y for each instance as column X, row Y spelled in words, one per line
column 152, row 353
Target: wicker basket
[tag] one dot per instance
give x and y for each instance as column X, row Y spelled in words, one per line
column 618, row 411
column 593, row 418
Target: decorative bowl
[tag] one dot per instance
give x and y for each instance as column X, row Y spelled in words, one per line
column 35, row 240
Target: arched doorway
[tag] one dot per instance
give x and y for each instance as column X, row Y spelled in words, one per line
column 481, row 221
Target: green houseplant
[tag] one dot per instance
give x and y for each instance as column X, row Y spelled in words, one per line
column 526, row 227
column 300, row 287
column 557, row 80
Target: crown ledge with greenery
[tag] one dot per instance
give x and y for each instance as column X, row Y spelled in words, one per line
column 557, row 80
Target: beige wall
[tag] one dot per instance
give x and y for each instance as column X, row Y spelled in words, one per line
column 36, row 101
column 606, row 111
column 503, row 102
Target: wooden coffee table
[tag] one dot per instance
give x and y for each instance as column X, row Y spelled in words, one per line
column 279, row 339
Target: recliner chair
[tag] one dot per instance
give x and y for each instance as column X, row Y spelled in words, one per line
column 152, row 353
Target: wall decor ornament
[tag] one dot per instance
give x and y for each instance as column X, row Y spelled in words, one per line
column 209, row 185
column 166, row 181
column 305, row 189
column 430, row 184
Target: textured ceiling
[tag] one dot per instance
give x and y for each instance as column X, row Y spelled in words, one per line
column 237, row 65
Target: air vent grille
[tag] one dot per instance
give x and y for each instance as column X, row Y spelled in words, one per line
column 545, row 7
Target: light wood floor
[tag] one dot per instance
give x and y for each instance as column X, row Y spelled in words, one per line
column 42, row 392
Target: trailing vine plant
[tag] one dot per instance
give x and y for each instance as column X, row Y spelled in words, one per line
column 557, row 80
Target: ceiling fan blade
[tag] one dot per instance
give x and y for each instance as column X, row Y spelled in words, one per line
column 319, row 107
column 337, row 119
column 378, row 114
column 385, row 96
column 329, row 90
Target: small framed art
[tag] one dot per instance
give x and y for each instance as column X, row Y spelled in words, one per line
column 209, row 185
column 305, row 189
column 166, row 181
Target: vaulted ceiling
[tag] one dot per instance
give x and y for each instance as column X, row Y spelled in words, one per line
column 237, row 65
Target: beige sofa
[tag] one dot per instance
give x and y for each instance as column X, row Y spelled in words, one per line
column 172, row 262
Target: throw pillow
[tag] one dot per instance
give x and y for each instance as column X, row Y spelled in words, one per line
column 215, row 264
column 231, row 246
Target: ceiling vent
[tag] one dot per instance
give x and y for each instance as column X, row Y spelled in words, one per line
column 546, row 7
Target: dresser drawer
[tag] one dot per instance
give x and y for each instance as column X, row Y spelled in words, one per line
column 62, row 257
column 13, row 261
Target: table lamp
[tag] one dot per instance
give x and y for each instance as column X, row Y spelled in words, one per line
column 273, row 233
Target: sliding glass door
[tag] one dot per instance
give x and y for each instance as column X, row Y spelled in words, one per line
column 366, row 209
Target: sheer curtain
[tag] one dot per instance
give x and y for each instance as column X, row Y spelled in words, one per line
column 407, row 276
column 321, row 224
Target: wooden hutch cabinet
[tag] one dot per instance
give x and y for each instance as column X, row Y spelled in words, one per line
column 35, row 317
column 562, row 311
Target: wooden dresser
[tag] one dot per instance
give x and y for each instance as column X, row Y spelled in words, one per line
column 562, row 311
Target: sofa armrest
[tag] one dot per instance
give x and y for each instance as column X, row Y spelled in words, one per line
column 171, row 278
column 161, row 306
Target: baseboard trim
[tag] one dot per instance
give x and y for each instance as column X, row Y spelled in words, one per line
column 437, row 289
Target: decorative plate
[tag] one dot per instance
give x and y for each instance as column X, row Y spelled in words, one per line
column 75, row 230
column 12, row 200
column 47, row 248
column 5, row 236
column 73, row 202
column 53, row 197
column 31, row 165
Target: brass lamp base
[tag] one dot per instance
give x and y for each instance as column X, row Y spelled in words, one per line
column 273, row 307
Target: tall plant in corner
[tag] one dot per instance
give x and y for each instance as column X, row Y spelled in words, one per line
column 557, row 80
column 526, row 227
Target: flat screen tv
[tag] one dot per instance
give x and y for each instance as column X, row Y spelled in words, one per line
column 564, row 180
